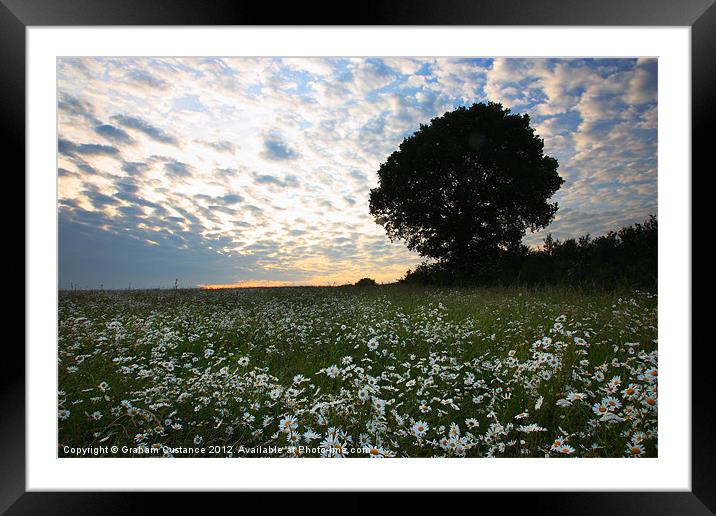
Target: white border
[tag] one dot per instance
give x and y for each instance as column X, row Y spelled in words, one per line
column 670, row 471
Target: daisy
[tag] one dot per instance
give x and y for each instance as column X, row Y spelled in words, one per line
column 600, row 408
column 650, row 401
column 472, row 422
column 419, row 428
column 63, row 414
column 332, row 371
column 611, row 402
column 309, row 435
column 557, row 443
column 638, row 437
column 631, row 392
column 528, row 429
column 379, row 405
column 288, row 423
column 375, row 453
column 565, row 449
column 635, row 450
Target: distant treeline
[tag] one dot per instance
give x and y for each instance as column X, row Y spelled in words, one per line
column 624, row 257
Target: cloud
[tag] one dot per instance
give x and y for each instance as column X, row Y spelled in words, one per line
column 134, row 167
column 147, row 79
column 69, row 148
column 231, row 198
column 146, row 128
column 177, row 168
column 76, row 107
column 288, row 181
column 114, row 134
column 220, row 145
column 643, row 83
column 276, row 149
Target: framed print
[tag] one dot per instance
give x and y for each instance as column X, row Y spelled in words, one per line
column 454, row 238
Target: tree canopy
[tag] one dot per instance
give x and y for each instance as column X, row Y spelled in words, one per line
column 467, row 185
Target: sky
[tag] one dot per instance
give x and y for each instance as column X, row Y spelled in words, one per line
column 257, row 171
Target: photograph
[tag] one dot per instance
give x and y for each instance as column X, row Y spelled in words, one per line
column 357, row 257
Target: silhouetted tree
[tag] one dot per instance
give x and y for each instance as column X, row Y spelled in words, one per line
column 465, row 188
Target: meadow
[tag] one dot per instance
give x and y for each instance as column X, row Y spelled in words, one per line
column 386, row 371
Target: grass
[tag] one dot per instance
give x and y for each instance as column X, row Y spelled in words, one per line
column 374, row 371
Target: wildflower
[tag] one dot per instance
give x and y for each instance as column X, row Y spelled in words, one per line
column 565, row 449
column 611, row 417
column 635, row 450
column 528, row 429
column 288, row 423
column 379, row 405
column 419, row 428
column 600, row 408
column 631, row 392
column 243, row 361
column 375, row 453
column 63, row 414
column 611, row 403
column 650, row 402
column 309, row 435
column 472, row 422
column 576, row 396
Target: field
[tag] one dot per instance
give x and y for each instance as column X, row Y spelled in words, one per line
column 387, row 371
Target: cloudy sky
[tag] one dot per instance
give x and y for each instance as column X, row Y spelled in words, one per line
column 258, row 170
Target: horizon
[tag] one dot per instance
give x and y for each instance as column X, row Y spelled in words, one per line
column 240, row 172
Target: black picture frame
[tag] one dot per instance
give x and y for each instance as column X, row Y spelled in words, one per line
column 700, row 15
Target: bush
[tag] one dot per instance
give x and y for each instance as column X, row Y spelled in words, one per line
column 366, row 282
column 627, row 257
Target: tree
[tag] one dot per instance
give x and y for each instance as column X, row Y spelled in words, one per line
column 365, row 282
column 466, row 186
